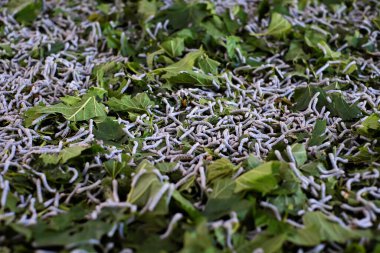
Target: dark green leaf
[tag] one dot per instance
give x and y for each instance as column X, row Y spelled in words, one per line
column 181, row 14
column 187, row 206
column 25, row 11
column 81, row 234
column 194, row 78
column 341, row 108
column 337, row 107
column 108, row 130
column 318, row 134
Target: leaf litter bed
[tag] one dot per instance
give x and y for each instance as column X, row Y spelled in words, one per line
column 170, row 126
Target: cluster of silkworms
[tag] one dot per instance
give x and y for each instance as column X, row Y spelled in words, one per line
column 26, row 81
column 251, row 119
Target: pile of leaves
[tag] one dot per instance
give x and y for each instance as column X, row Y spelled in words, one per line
column 189, row 126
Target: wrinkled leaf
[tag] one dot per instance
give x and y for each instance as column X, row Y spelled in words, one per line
column 208, row 65
column 295, row 52
column 263, row 178
column 370, row 127
column 63, row 156
column 299, row 153
column 174, row 47
column 194, row 78
column 231, row 45
column 278, row 26
column 318, row 134
column 108, row 130
column 87, row 108
column 185, row 64
column 219, row 168
column 319, row 228
column 25, row 11
column 337, row 107
column 136, row 104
